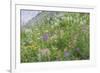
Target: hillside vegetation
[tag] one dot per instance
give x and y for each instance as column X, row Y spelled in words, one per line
column 55, row 36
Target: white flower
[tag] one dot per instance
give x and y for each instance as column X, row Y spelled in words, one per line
column 28, row 31
column 46, row 30
column 52, row 26
column 56, row 24
column 38, row 33
column 55, row 40
column 38, row 38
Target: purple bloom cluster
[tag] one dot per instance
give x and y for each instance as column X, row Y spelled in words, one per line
column 77, row 49
column 45, row 37
column 66, row 54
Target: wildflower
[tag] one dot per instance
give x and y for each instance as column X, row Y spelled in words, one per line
column 38, row 38
column 77, row 49
column 38, row 33
column 56, row 24
column 58, row 57
column 46, row 31
column 54, row 48
column 44, row 52
column 45, row 37
column 55, row 40
column 66, row 53
column 84, row 28
column 52, row 26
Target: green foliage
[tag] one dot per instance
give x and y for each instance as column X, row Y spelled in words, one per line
column 56, row 36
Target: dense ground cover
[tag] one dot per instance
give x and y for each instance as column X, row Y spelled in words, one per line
column 55, row 36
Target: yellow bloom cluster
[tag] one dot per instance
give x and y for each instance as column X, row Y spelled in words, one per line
column 34, row 47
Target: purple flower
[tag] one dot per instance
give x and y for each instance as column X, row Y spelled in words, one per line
column 77, row 49
column 66, row 54
column 45, row 37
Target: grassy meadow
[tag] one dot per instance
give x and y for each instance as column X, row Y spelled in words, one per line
column 55, row 36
